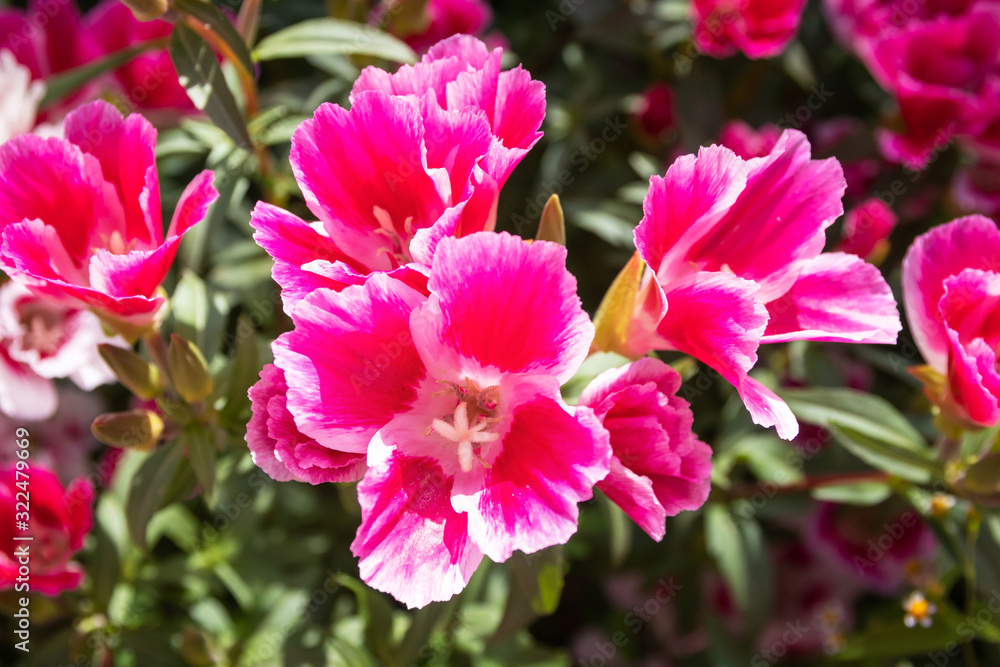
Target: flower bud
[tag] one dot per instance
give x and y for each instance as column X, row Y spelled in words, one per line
column 189, row 370
column 139, row 376
column 134, row 429
column 552, row 226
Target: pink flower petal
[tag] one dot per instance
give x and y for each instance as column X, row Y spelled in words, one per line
column 125, row 149
column 837, row 297
column 278, row 447
column 549, row 461
column 24, row 395
column 411, row 543
column 350, row 363
column 504, row 304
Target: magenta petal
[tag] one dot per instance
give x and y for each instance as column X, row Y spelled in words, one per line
column 837, row 297
column 779, row 219
column 53, row 181
column 685, row 205
column 659, row 467
column 714, row 317
column 193, row 205
column 125, row 148
column 350, row 363
column 972, row 242
column 502, row 303
column 278, row 447
column 411, row 543
column 549, row 462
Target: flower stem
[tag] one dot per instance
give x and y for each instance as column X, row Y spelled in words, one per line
column 738, row 491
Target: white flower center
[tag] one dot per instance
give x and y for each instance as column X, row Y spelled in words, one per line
column 469, row 430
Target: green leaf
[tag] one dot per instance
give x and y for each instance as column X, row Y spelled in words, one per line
column 724, row 542
column 207, row 14
column 70, row 81
column 199, row 313
column 619, row 531
column 869, row 427
column 200, row 73
column 201, row 453
column 149, row 490
column 536, row 583
column 327, row 36
column 377, row 615
column 104, row 569
column 865, row 493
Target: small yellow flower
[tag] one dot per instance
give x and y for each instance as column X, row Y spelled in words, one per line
column 941, row 504
column 918, row 610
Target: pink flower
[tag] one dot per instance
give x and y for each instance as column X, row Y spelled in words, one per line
column 658, row 467
column 654, row 110
column 747, row 142
column 441, row 19
column 758, row 28
column 58, row 523
column 951, row 283
column 866, row 230
column 945, row 75
column 454, row 399
column 148, row 81
column 280, row 450
column 873, row 545
column 80, row 217
column 47, row 38
column 62, row 443
column 465, row 75
column 734, row 249
column 387, row 180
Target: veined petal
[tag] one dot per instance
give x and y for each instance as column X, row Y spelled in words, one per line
column 411, row 543
column 837, row 297
column 505, row 304
column 350, row 362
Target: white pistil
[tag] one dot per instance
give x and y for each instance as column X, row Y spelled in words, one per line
column 468, row 437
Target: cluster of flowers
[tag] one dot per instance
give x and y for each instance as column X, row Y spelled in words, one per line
column 941, row 61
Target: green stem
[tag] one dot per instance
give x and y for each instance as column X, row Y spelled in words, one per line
column 158, row 351
column 972, row 537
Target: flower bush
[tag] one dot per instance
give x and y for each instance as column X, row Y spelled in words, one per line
column 558, row 333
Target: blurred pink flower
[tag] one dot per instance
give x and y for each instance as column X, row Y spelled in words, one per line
column 945, row 75
column 280, row 450
column 441, row 19
column 454, row 399
column 59, row 521
column 659, row 467
column 976, row 187
column 62, row 443
column 758, row 28
column 148, row 81
column 866, row 230
column 734, row 250
column 951, row 284
column 747, row 142
column 80, row 216
column 654, row 110
column 872, row 545
column 47, row 37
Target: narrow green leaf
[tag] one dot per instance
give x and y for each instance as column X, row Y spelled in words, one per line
column 536, row 583
column 208, row 14
column 330, row 36
column 200, row 73
column 70, row 81
column 725, row 544
column 149, row 490
column 244, row 368
column 866, row 493
column 892, row 459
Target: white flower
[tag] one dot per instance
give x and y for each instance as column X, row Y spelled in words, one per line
column 19, row 97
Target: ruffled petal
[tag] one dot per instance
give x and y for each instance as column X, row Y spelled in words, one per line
column 837, row 297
